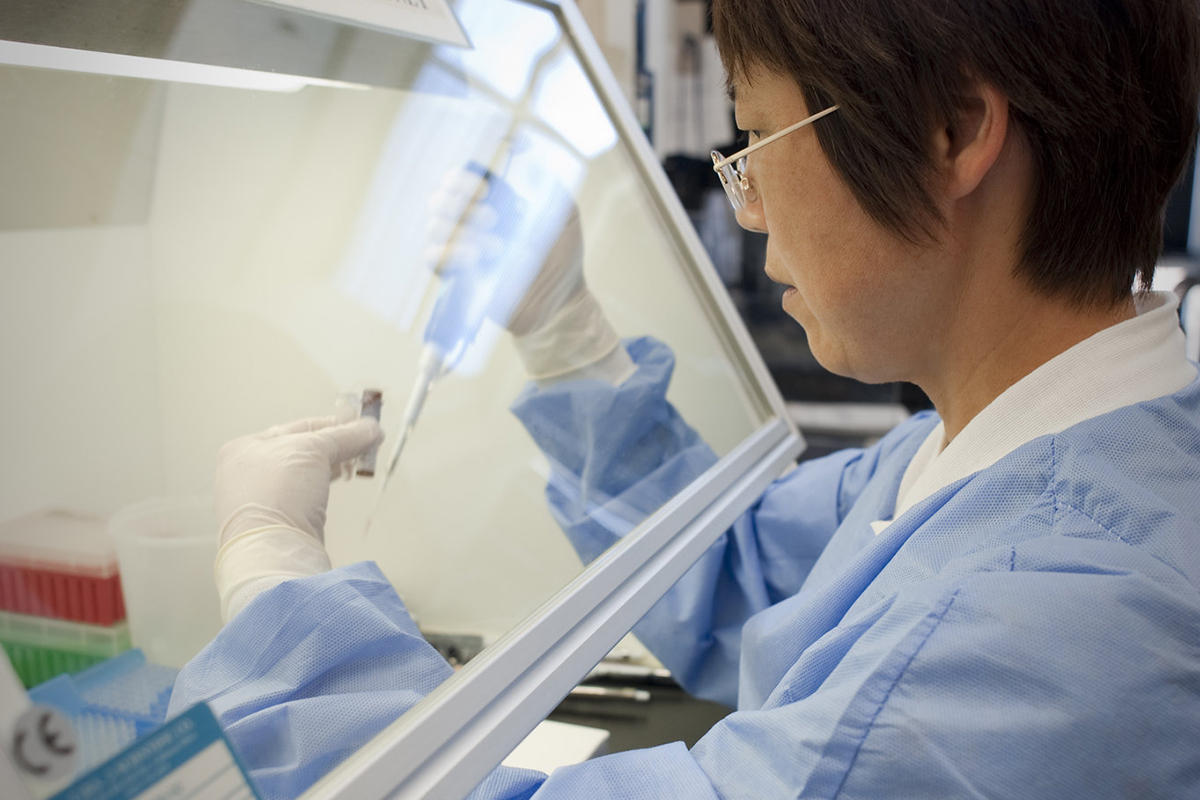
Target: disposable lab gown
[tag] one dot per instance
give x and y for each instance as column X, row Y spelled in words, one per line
column 1031, row 630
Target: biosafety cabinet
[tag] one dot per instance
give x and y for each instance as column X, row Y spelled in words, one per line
column 221, row 215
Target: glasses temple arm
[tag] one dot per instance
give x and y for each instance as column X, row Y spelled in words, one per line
column 779, row 134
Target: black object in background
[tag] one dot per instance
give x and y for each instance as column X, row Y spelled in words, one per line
column 1179, row 214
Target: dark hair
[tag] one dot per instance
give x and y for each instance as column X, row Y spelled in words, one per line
column 1104, row 91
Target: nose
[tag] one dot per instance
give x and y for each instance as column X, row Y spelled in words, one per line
column 751, row 216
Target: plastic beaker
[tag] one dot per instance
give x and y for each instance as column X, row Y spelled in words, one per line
column 166, row 548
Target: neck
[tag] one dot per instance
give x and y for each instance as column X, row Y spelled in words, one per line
column 991, row 351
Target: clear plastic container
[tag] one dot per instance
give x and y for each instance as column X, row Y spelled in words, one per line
column 60, row 565
column 166, row 548
column 41, row 648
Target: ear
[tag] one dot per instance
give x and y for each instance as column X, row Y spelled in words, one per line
column 968, row 145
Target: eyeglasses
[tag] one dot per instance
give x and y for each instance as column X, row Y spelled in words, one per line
column 732, row 170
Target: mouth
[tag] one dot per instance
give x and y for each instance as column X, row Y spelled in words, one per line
column 773, row 279
column 789, row 290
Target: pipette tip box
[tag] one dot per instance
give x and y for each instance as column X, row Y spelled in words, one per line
column 60, row 565
column 110, row 704
column 40, row 648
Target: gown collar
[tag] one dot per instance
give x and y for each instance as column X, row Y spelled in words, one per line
column 1139, row 359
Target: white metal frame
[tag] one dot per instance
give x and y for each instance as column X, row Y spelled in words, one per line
column 448, row 742
column 453, row 738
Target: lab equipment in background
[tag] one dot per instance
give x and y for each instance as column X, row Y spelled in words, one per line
column 60, row 595
column 166, row 548
column 456, row 648
column 617, row 670
column 42, row 648
column 611, row 693
column 110, row 704
column 60, row 565
column 644, row 103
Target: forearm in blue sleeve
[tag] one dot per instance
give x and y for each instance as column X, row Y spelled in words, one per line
column 617, row 453
column 696, row 628
column 310, row 671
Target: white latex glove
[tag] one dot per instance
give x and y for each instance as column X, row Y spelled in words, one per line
column 559, row 326
column 271, row 492
column 464, row 230
column 558, row 281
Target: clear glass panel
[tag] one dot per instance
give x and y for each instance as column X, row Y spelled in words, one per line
column 186, row 261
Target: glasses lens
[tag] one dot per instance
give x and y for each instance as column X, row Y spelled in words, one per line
column 731, row 179
column 747, row 189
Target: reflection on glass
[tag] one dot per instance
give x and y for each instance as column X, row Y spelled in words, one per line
column 183, row 264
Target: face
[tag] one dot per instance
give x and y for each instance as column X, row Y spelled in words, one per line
column 870, row 303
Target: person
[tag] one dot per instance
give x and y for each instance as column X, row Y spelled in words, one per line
column 1001, row 599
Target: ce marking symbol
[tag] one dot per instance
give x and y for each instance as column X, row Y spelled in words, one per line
column 44, row 743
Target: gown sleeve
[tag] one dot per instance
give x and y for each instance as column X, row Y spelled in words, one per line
column 310, row 671
column 927, row 687
column 315, row 667
column 618, row 453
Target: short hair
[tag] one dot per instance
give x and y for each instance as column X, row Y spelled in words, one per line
column 1105, row 93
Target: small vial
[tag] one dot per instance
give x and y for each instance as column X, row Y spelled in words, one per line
column 372, row 406
column 354, row 405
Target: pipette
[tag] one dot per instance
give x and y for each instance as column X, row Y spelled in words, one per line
column 429, row 368
column 470, row 293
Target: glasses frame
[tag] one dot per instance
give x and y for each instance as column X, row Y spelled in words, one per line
column 732, row 169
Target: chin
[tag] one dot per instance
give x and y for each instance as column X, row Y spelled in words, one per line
column 841, row 363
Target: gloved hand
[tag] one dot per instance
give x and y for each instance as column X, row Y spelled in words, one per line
column 558, row 324
column 270, row 494
column 280, row 477
column 473, row 219
column 463, row 228
column 559, row 280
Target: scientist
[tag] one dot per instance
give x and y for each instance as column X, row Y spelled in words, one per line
column 1000, row 600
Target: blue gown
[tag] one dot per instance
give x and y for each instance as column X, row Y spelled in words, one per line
column 1032, row 630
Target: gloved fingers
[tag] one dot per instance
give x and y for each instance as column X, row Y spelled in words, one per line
column 451, row 236
column 482, row 219
column 465, row 252
column 298, row 426
column 458, row 191
column 476, row 221
column 559, row 280
column 340, row 443
column 460, row 186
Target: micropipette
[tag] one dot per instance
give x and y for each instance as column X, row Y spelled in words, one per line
column 469, row 294
column 428, row 369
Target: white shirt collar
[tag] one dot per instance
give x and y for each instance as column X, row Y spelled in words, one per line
column 1133, row 361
